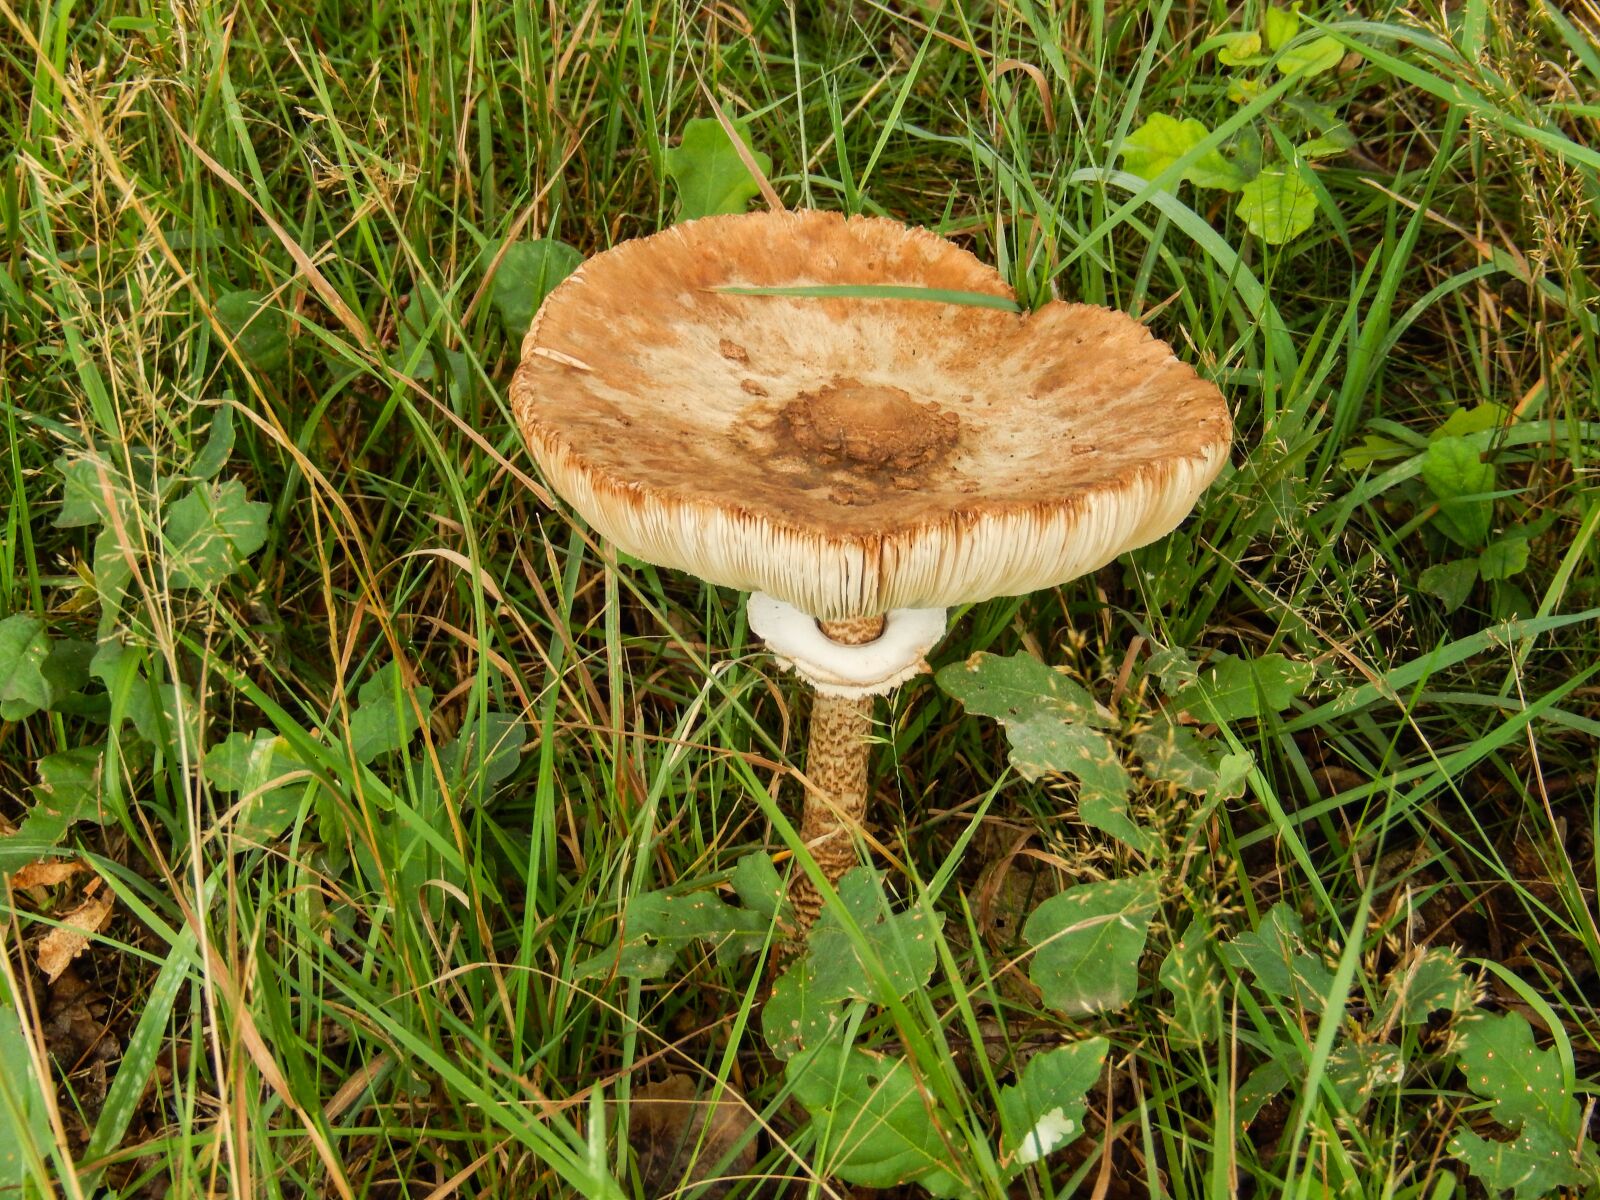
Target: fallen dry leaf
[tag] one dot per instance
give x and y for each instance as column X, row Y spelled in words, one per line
column 681, row 1137
column 47, row 872
column 71, row 938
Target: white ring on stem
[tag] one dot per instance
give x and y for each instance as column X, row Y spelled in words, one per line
column 835, row 669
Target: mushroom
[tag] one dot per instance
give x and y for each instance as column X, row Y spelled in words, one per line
column 859, row 462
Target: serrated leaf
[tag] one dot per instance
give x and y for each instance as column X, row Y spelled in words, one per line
column 1461, row 482
column 213, row 456
column 1280, row 25
column 89, row 489
column 257, row 326
column 874, row 1124
column 1275, row 953
column 1504, row 557
column 1277, row 206
column 1190, row 973
column 1018, row 688
column 1231, row 688
column 24, row 648
column 1431, row 981
column 710, row 176
column 1312, row 58
column 210, row 531
column 1043, row 1111
column 1088, row 941
column 1153, row 147
column 898, row 947
column 1535, row 1164
column 1526, row 1084
column 24, row 1113
column 1451, row 582
column 385, row 718
column 1173, row 753
column 528, row 272
column 657, row 926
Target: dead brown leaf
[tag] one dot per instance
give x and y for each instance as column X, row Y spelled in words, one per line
column 71, row 938
column 47, row 872
column 681, row 1136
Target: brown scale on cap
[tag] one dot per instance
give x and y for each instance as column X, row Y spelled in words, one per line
column 850, row 455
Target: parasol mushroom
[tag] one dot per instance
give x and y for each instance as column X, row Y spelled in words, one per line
column 859, row 461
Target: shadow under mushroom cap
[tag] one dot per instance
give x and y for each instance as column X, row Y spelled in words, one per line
column 854, row 455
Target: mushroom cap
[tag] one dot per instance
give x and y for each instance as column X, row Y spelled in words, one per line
column 853, row 455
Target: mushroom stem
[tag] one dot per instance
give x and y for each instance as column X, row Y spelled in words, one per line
column 836, row 767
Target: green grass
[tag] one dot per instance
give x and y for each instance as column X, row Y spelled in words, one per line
column 385, row 998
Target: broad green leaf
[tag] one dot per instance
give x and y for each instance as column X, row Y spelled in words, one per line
column 796, row 1016
column 66, row 670
column 1043, row 1111
column 1326, row 145
column 213, row 456
column 386, row 717
column 1357, row 1070
column 1525, row 1084
column 1173, row 753
column 1280, row 25
column 758, row 885
column 1372, row 450
column 1311, row 58
column 1275, row 953
column 1461, row 482
column 1088, row 941
column 1018, row 688
column 210, row 531
column 528, row 272
column 1535, row 1164
column 1042, row 744
column 1277, row 206
column 421, row 329
column 874, row 1124
column 657, row 926
column 257, row 326
column 900, row 945
column 1432, row 981
column 1241, row 49
column 262, row 769
column 89, row 487
column 1504, row 557
column 710, row 176
column 1450, row 581
column 1162, row 140
column 1261, row 1085
column 1190, row 973
column 494, row 741
column 24, row 1116
column 1480, row 418
column 68, row 791
column 24, row 648
column 1232, row 689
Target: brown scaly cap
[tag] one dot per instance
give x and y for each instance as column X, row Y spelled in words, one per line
column 847, row 455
